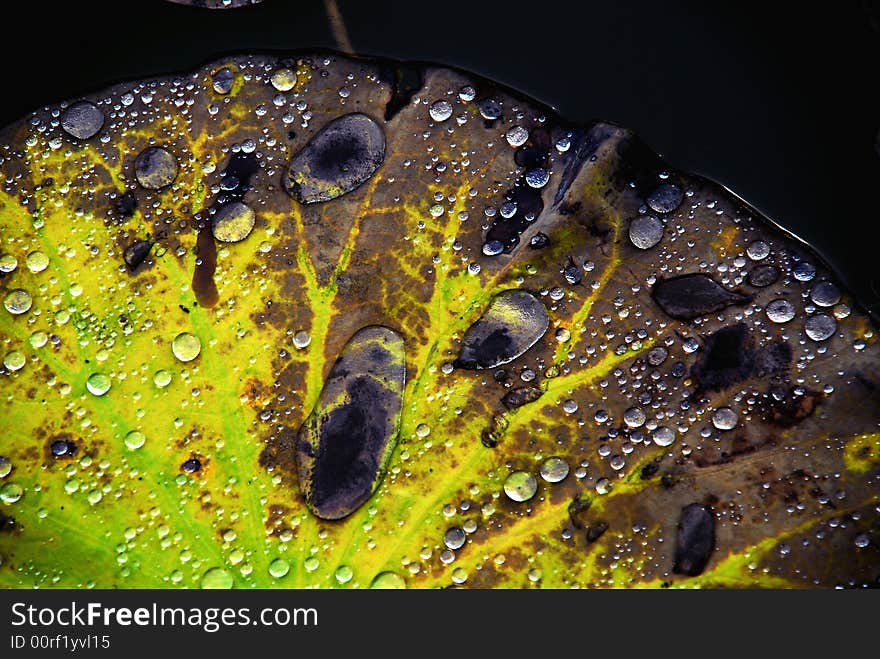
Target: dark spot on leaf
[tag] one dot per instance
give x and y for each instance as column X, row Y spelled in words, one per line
column 7, row 524
column 136, row 253
column 236, row 179
column 513, row 323
column 649, row 471
column 125, row 205
column 405, row 80
column 773, row 358
column 595, row 531
column 344, row 155
column 763, row 275
column 203, row 284
column 521, row 396
column 191, row 466
column 345, row 443
column 576, row 510
column 788, row 409
column 727, row 359
column 695, row 539
column 694, row 295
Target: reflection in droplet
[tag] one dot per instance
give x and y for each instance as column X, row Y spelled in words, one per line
column 666, row 198
column 11, row 493
column 454, row 538
column 825, row 294
column 301, row 339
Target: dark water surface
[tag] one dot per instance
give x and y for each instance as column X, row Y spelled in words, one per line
column 778, row 103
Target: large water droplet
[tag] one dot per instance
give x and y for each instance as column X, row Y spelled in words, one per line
column 186, row 346
column 388, row 581
column 98, row 384
column 155, row 167
column 520, row 486
column 233, row 222
column 82, row 120
column 217, row 579
column 17, row 301
column 279, row 568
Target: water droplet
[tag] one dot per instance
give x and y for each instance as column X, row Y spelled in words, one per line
column 490, row 109
column 186, row 346
column 344, row 155
column 343, row 574
column 657, row 355
column 758, row 250
column 11, row 492
column 663, row 436
column 645, row 231
column 862, row 540
column 820, row 327
column 162, row 378
column 517, row 136
column 570, row 406
column 233, row 222
column 343, row 446
column 467, row 93
column 155, row 167
column 724, row 418
column 825, row 294
column 82, row 120
column 5, row 467
column 665, row 198
column 388, row 581
column 18, row 301
column 634, row 417
column 223, row 81
column 14, row 361
column 520, row 486
column 283, row 80
column 763, row 275
column 423, row 430
column 693, row 295
column 217, row 579
column 440, row 110
column 537, row 178
column 37, row 261
column 554, row 470
column 8, row 263
column 98, row 384
column 279, row 568
column 780, row 311
column 454, row 538
column 302, row 339
column 493, row 248
column 804, row 271
column 514, row 321
column 135, row 440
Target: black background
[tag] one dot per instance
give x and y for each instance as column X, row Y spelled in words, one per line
column 777, row 101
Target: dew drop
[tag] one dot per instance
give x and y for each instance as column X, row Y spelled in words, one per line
column 454, row 538
column 645, row 231
column 8, row 263
column 11, row 492
column 5, row 467
column 186, row 346
column 279, row 568
column 665, row 199
column 825, row 294
column 217, row 579
column 343, row 574
column 517, row 136
column 388, row 581
column 780, row 311
column 301, row 339
column 37, row 261
column 135, row 440
column 283, row 80
column 162, row 378
column 82, row 120
column 663, row 436
column 520, row 486
column 155, row 167
column 724, row 418
column 820, row 327
column 554, row 470
column 233, row 222
column 98, row 384
column 14, row 361
column 18, row 301
column 440, row 110
column 758, row 250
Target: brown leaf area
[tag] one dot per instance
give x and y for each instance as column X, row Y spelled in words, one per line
column 758, row 401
